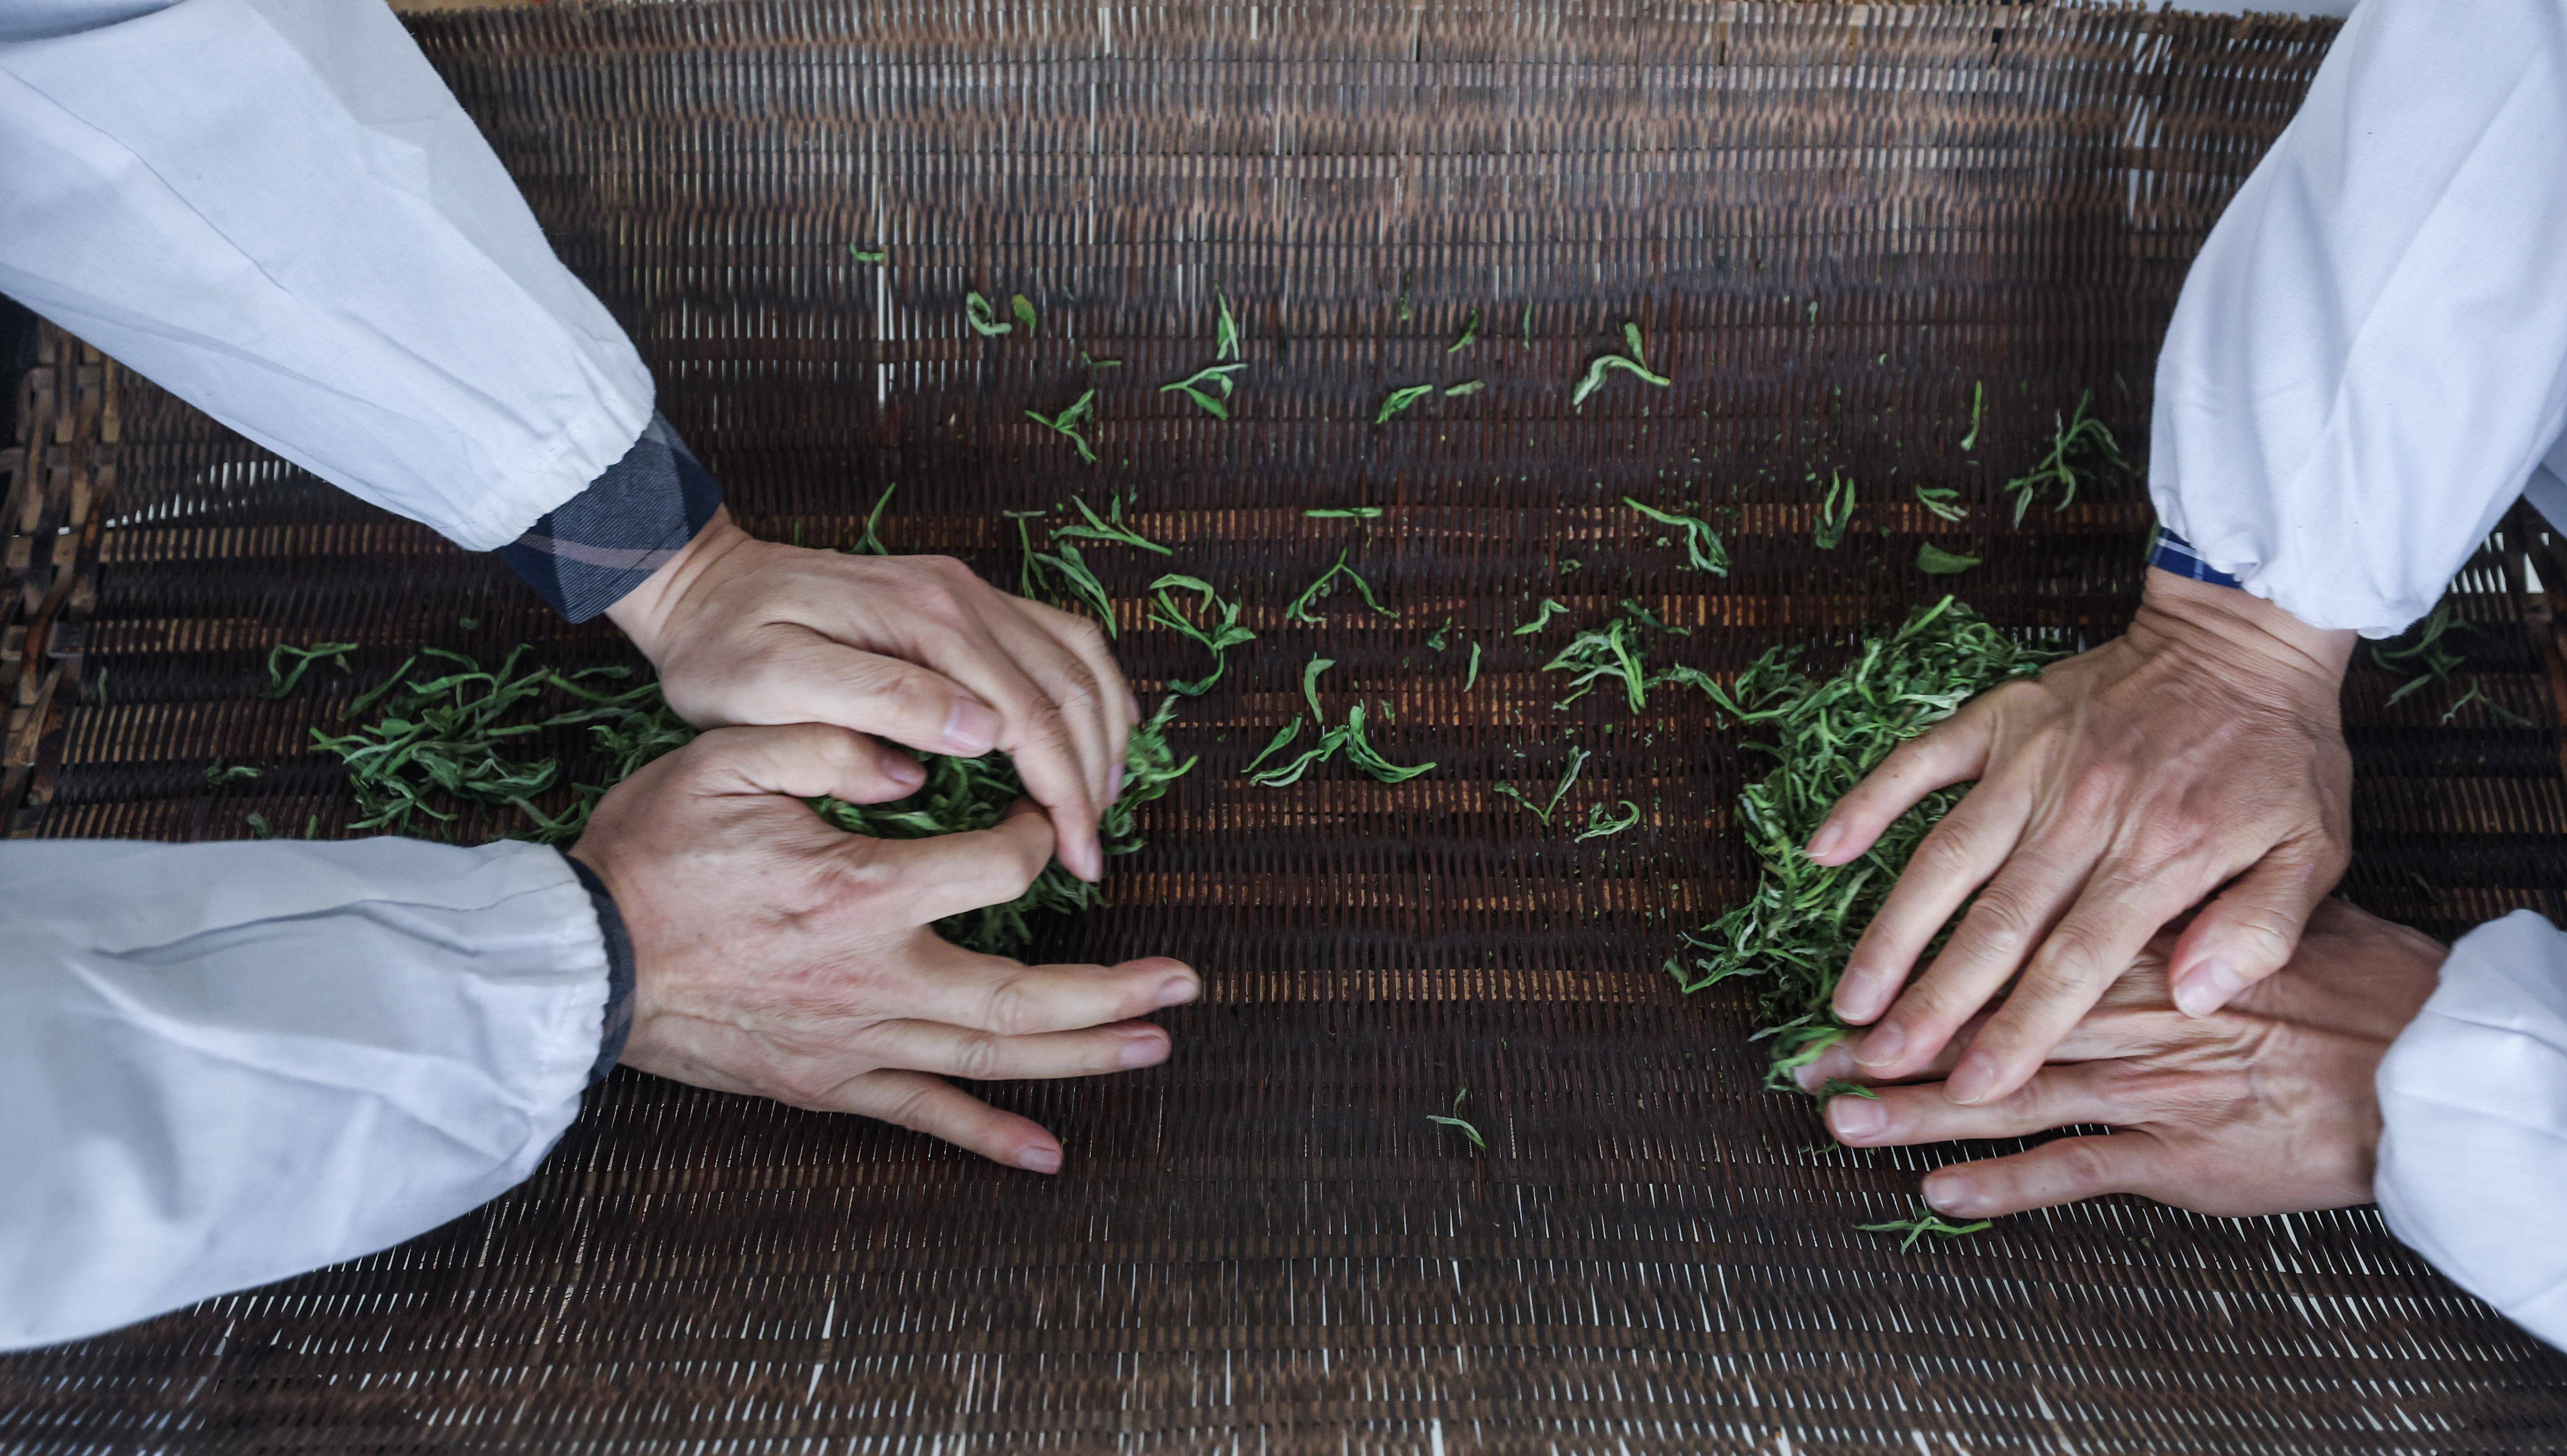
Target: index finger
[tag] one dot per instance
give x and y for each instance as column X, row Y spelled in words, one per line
column 1009, row 998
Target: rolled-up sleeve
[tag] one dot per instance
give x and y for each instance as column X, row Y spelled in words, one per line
column 2369, row 360
column 222, row 1064
column 2473, row 1110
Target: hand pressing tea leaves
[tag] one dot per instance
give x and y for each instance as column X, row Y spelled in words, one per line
column 437, row 748
column 1109, row 527
column 982, row 316
column 1704, row 550
column 1836, row 513
column 1802, row 923
column 282, row 680
column 1457, row 1124
column 1400, row 399
column 2071, row 442
column 1933, row 560
column 1071, row 423
column 1542, row 619
column 1218, row 635
column 1920, row 1222
column 1319, row 590
column 1603, row 366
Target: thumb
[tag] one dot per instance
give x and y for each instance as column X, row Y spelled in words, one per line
column 2249, row 932
column 801, row 761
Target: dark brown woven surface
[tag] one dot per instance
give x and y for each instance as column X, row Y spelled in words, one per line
column 1830, row 221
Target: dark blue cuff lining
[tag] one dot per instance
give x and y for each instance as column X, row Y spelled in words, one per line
column 585, row 555
column 619, row 972
column 2174, row 553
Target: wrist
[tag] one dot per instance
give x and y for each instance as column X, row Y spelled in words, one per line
column 645, row 613
column 2246, row 632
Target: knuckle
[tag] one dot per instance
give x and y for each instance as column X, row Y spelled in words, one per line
column 912, row 1107
column 2084, row 1166
column 1952, row 849
column 2001, row 917
column 980, row 1057
column 1015, row 1008
column 2095, row 791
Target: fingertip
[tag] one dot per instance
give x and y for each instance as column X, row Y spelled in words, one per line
column 1880, row 1051
column 1178, row 984
column 1862, row 995
column 1039, row 1157
column 1956, row 1191
column 1145, row 1045
column 1825, row 842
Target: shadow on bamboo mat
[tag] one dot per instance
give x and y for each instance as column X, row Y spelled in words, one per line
column 1851, row 238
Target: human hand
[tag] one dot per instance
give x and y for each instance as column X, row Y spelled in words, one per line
column 915, row 648
column 2266, row 1106
column 775, row 956
column 2113, row 793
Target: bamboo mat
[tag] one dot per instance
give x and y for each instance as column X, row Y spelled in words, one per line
column 1831, row 223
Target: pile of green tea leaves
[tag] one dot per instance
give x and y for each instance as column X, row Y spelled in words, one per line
column 433, row 748
column 1824, row 734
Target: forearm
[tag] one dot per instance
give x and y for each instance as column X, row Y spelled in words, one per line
column 222, row 1064
column 2369, row 356
column 2472, row 1169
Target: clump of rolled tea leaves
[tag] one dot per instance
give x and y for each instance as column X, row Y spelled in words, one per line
column 458, row 738
column 1823, row 735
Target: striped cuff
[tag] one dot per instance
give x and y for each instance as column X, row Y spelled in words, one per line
column 608, row 539
column 2174, row 553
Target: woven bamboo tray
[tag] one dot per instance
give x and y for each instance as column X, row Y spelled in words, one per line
column 1831, row 222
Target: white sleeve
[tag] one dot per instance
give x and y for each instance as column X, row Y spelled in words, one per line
column 2473, row 1113
column 2370, row 354
column 275, row 210
column 221, row 1064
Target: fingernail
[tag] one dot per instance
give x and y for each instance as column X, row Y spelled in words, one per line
column 908, row 773
column 1953, row 1193
column 2207, row 987
column 970, row 729
column 1882, row 1047
column 1971, row 1080
column 1834, row 1063
column 1040, row 1159
column 1176, row 990
column 1144, row 1049
column 1862, row 996
column 1825, row 839
column 1857, row 1119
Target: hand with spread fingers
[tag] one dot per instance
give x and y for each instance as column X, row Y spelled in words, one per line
column 2265, row 1105
column 776, row 955
column 913, row 649
column 2113, row 793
